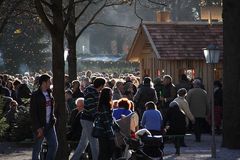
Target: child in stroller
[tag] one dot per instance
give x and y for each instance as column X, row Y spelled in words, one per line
column 151, row 147
column 140, row 145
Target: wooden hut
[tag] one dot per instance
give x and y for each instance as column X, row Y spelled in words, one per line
column 176, row 48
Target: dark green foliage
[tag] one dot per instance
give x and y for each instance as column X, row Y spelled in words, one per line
column 23, row 46
column 16, row 131
column 3, row 123
column 22, row 129
column 3, row 126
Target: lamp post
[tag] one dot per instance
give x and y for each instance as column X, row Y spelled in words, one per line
column 212, row 54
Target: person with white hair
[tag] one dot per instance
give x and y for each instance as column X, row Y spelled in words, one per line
column 75, row 129
column 198, row 103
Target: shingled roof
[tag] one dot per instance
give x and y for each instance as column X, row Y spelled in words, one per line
column 179, row 40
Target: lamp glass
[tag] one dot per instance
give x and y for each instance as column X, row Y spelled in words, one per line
column 211, row 54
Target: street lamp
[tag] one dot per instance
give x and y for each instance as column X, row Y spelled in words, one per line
column 212, row 54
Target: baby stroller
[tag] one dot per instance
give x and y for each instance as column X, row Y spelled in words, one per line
column 140, row 145
column 149, row 148
column 44, row 149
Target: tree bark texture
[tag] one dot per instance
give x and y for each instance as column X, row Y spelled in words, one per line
column 58, row 92
column 56, row 26
column 231, row 74
column 72, row 50
column 58, row 82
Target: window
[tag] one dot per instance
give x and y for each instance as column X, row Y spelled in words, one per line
column 190, row 73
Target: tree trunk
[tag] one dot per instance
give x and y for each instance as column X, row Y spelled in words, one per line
column 231, row 71
column 57, row 35
column 72, row 58
column 72, row 50
column 58, row 93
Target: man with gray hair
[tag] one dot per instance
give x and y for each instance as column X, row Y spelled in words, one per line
column 198, row 104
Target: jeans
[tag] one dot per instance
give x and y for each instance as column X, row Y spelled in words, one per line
column 87, row 127
column 51, row 137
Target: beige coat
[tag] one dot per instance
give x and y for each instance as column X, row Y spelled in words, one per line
column 183, row 105
column 198, row 102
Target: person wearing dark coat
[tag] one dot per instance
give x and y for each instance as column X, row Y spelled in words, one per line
column 6, row 104
column 11, row 115
column 21, row 91
column 106, row 139
column 91, row 98
column 43, row 119
column 77, row 93
column 183, row 83
column 175, row 124
column 4, row 90
column 167, row 95
column 24, row 91
column 75, row 129
column 144, row 94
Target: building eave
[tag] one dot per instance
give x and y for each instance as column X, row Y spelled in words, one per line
column 151, row 41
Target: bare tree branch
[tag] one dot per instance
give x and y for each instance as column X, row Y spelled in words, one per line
column 92, row 18
column 156, row 6
column 84, row 9
column 67, row 16
column 157, row 3
column 114, row 25
column 135, row 12
column 46, row 4
column 42, row 15
column 115, row 4
column 21, row 11
column 75, row 2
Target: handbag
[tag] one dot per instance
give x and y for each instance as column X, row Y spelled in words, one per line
column 98, row 128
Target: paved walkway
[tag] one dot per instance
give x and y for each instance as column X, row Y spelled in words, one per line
column 194, row 151
column 200, row 151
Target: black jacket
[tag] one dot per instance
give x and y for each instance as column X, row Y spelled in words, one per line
column 169, row 92
column 145, row 94
column 176, row 121
column 4, row 91
column 77, row 94
column 38, row 110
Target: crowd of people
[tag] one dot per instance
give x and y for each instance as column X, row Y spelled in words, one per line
column 161, row 106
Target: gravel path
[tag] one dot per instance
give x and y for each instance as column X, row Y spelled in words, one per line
column 194, row 151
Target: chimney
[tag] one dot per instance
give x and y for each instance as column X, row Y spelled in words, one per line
column 211, row 13
column 163, row 16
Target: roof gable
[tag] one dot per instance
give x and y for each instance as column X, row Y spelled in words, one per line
column 182, row 40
